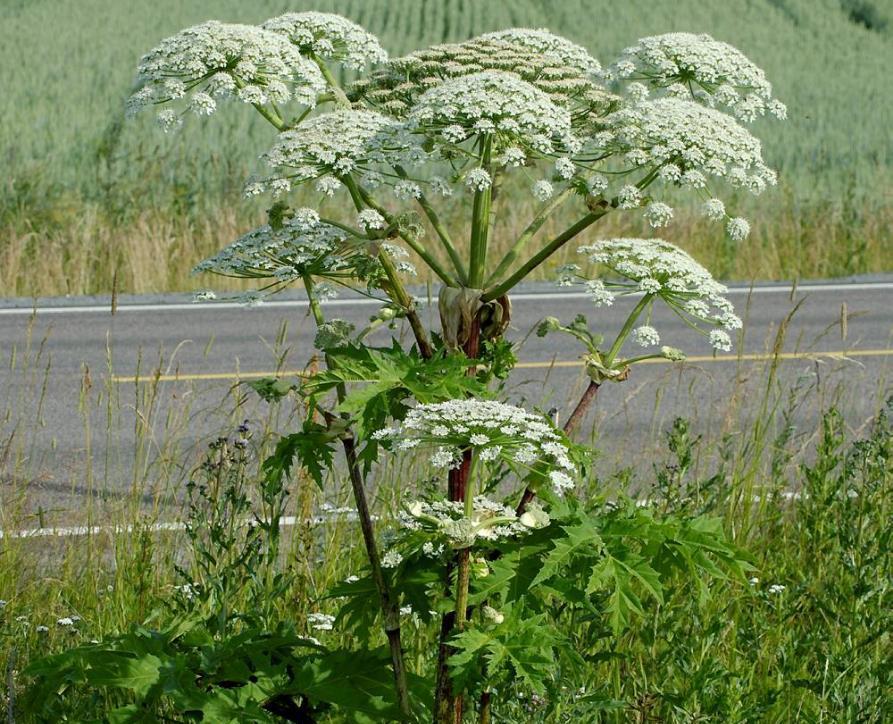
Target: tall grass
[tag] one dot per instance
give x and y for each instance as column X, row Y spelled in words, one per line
column 87, row 198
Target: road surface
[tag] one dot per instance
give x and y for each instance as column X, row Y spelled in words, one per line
column 110, row 407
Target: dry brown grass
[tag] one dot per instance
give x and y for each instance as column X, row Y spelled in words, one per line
column 86, row 252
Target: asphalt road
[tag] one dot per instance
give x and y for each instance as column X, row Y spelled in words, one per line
column 80, row 415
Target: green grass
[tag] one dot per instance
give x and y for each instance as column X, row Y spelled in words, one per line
column 86, row 196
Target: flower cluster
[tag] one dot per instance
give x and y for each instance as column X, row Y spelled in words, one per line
column 330, row 37
column 685, row 64
column 215, row 60
column 685, row 143
column 544, row 43
column 489, row 521
column 503, row 105
column 554, row 65
column 332, row 145
column 302, row 245
column 493, row 429
column 659, row 268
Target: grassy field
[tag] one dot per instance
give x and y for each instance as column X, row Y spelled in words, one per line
column 87, row 197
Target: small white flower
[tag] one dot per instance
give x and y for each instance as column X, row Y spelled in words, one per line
column 561, row 481
column 391, row 559
column 65, row 621
column 720, row 340
column 203, row 104
column 646, row 336
column 776, row 588
column 478, row 179
column 714, row 209
column 738, row 229
column 565, row 168
column 650, row 285
column 629, row 197
column 478, row 439
column 599, row 295
column 492, row 615
column 542, row 190
column 370, row 219
column 321, row 621
column 351, row 579
column 658, row 214
column 42, row 629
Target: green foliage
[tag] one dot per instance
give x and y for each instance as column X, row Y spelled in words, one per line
column 313, row 447
column 385, row 381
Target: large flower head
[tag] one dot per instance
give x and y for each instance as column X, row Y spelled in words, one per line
column 686, row 143
column 445, row 522
column 548, row 45
column 559, row 68
column 215, row 60
column 302, row 245
column 661, row 269
column 335, row 144
column 685, row 64
column 330, row 37
column 502, row 105
column 493, row 429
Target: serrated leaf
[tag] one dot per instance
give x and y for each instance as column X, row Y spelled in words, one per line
column 312, row 447
column 577, row 539
column 271, row 389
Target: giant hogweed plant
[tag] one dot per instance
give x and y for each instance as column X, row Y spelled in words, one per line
column 499, row 558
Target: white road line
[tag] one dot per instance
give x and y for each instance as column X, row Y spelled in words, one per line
column 302, row 304
column 83, row 530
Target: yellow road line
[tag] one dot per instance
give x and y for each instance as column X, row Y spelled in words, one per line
column 749, row 357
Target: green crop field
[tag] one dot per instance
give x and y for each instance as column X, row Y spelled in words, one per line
column 87, row 195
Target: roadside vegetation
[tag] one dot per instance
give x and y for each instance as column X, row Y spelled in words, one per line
column 89, row 202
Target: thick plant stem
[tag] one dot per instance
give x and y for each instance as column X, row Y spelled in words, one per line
column 528, row 234
column 543, row 254
column 401, row 296
column 582, row 408
column 486, row 698
column 389, row 608
column 448, row 703
column 572, row 423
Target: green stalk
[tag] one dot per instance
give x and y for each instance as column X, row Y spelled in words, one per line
column 340, row 97
column 367, row 200
column 396, row 290
column 480, row 223
column 627, row 328
column 529, row 233
column 389, row 608
column 543, row 254
column 440, row 229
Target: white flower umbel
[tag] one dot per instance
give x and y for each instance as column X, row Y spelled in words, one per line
column 514, row 112
column 559, row 68
column 216, row 60
column 330, row 37
column 489, row 521
column 661, row 269
column 493, row 429
column 701, row 67
column 336, row 143
column 682, row 134
column 543, row 42
column 303, row 245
